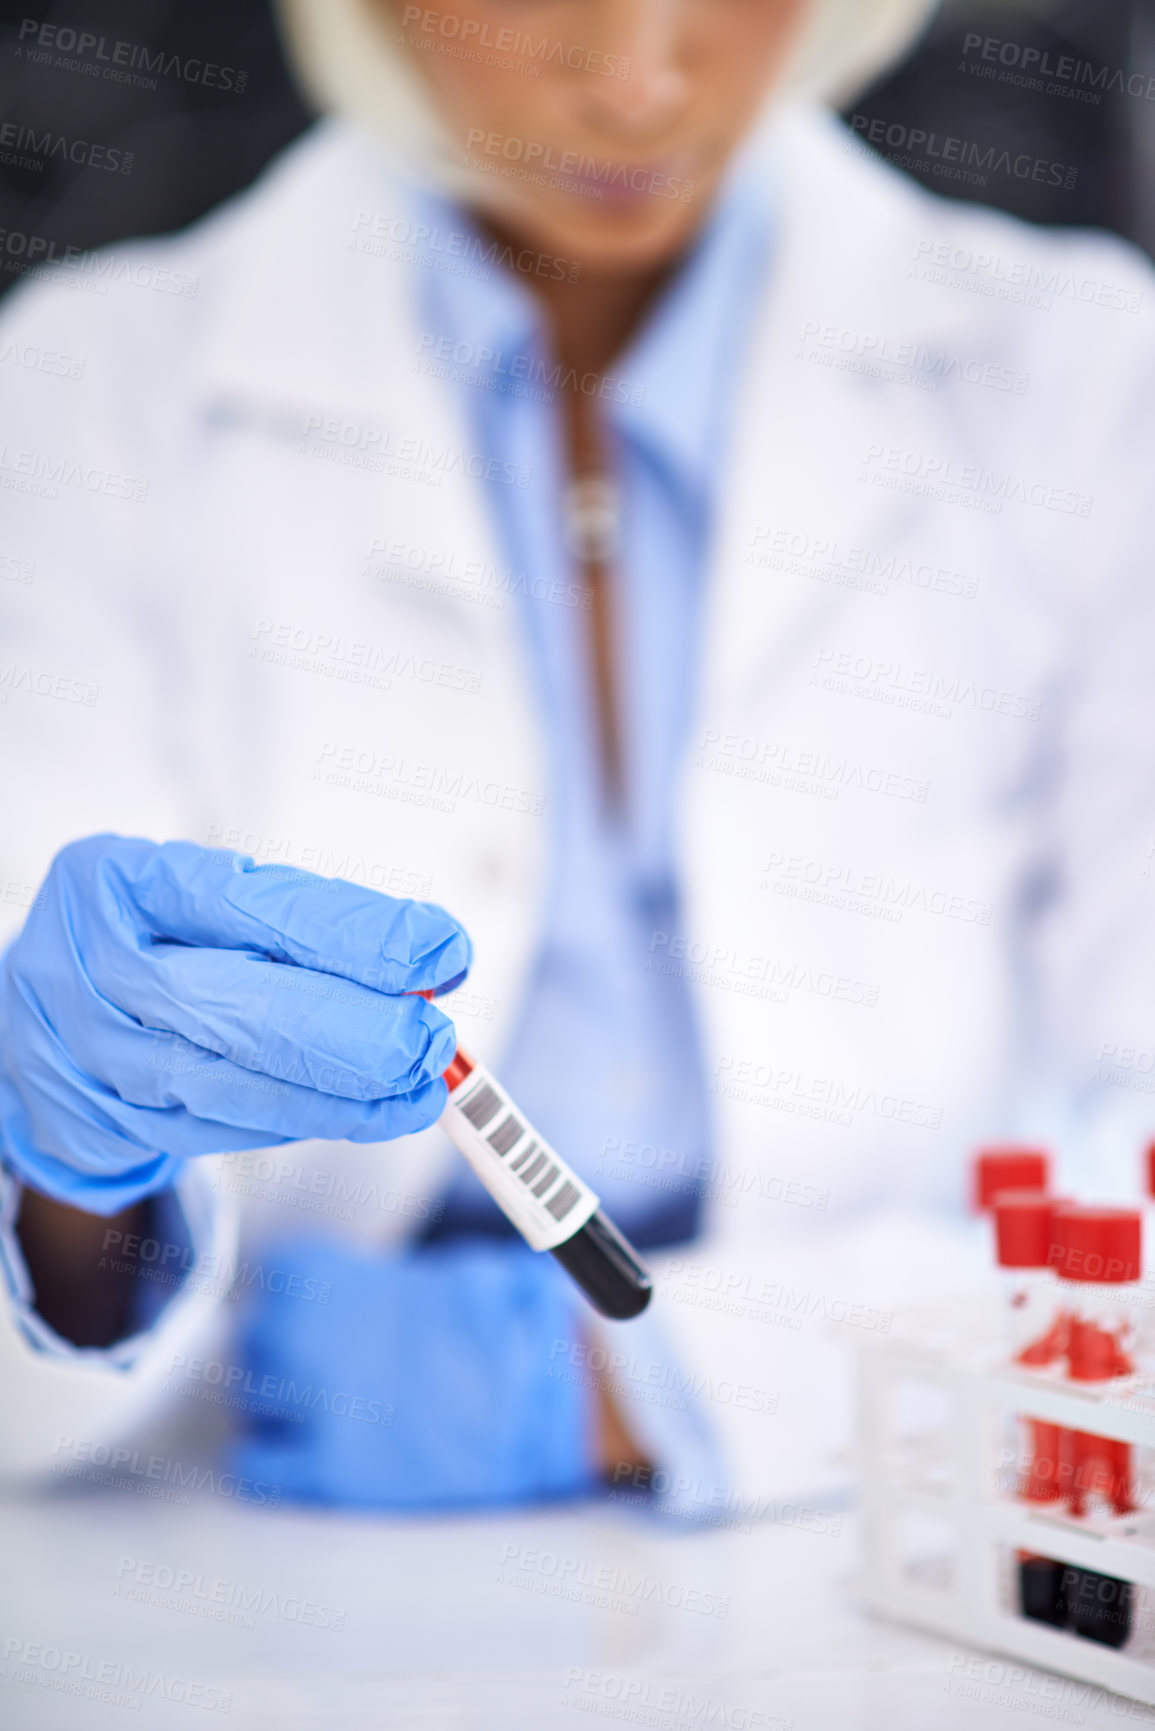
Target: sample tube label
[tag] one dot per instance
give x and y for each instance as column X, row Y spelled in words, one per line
column 531, row 1184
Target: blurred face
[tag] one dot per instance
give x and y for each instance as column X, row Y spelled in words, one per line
column 602, row 126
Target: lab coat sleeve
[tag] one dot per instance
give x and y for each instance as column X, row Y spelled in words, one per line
column 66, row 1408
column 1089, row 920
column 88, row 664
column 83, row 668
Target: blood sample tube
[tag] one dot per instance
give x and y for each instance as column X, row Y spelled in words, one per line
column 1097, row 1255
column 1035, row 1336
column 548, row 1203
column 1033, row 1315
column 1145, row 1320
column 1008, row 1168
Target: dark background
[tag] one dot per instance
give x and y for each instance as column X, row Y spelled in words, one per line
column 193, row 145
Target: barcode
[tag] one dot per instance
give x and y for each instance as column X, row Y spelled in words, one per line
column 535, row 1166
column 507, row 1133
column 481, row 1105
column 560, row 1205
column 539, row 1174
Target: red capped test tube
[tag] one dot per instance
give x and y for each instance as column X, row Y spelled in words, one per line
column 1097, row 1254
column 1033, row 1313
column 1010, row 1166
column 1035, row 1337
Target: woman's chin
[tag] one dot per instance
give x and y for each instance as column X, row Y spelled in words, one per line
column 610, row 235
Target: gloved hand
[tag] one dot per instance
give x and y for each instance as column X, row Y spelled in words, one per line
column 427, row 1380
column 170, row 1000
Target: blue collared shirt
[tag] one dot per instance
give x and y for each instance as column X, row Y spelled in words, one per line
column 605, row 1057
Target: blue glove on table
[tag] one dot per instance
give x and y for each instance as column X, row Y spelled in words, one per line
column 427, row 1380
column 170, row 1000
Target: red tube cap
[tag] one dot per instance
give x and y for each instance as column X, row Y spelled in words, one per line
column 998, row 1169
column 1103, row 1246
column 1022, row 1228
column 459, row 1069
column 1149, row 1174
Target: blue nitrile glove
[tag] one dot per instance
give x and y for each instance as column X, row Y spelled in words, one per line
column 169, row 1000
column 426, row 1380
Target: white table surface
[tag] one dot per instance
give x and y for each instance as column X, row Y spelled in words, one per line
column 433, row 1636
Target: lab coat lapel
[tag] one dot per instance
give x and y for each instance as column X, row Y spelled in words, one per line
column 383, row 694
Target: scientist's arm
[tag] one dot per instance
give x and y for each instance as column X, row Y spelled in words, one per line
column 458, row 1375
column 163, row 1002
column 167, row 1001
column 81, row 1293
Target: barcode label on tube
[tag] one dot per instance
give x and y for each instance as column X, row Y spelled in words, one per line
column 531, row 1184
column 560, row 1205
column 481, row 1106
column 507, row 1133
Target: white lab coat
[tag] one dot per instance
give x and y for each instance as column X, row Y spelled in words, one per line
column 248, row 605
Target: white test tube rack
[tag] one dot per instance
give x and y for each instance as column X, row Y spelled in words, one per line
column 945, row 1482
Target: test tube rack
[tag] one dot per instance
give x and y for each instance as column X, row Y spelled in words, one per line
column 938, row 1529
